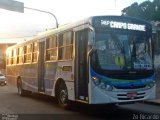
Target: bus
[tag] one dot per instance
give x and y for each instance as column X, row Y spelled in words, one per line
column 99, row 60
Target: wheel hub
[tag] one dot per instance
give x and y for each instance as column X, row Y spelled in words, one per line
column 63, row 97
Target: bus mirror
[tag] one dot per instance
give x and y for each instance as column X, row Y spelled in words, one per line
column 91, row 38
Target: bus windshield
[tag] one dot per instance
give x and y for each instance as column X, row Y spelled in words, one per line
column 122, row 51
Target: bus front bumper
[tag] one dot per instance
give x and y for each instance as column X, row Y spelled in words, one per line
column 99, row 96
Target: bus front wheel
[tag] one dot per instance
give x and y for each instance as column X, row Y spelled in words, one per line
column 63, row 96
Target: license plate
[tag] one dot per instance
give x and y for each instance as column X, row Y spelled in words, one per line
column 132, row 95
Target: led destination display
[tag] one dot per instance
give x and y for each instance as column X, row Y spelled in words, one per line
column 123, row 25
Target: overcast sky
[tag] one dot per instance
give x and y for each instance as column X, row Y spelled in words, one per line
column 15, row 26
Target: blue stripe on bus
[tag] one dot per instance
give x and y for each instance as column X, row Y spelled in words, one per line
column 122, row 82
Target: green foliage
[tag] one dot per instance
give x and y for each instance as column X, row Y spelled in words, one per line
column 147, row 10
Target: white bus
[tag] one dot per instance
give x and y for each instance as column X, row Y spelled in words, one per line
column 99, row 60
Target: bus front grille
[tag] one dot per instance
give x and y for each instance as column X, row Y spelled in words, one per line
column 130, row 87
column 131, row 98
column 126, row 97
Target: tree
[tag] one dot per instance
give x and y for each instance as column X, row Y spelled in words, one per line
column 147, row 10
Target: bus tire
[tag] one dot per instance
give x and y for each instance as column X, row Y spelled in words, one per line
column 62, row 96
column 21, row 91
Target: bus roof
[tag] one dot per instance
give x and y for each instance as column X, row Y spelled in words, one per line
column 88, row 21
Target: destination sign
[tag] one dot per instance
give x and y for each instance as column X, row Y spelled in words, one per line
column 123, row 25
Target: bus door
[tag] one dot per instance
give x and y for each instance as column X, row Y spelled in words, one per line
column 81, row 71
column 41, row 87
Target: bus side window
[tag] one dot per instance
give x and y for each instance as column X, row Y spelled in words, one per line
column 27, row 53
column 51, row 48
column 34, row 53
column 14, row 56
column 25, row 50
column 9, row 57
column 20, row 55
column 65, row 46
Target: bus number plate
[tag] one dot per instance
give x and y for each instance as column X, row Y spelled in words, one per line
column 132, row 95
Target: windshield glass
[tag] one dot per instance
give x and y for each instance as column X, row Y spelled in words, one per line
column 120, row 51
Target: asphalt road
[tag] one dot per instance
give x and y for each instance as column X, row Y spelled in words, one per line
column 36, row 107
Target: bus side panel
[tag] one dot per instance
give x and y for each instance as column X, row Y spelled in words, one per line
column 65, row 71
column 50, row 76
column 28, row 76
column 11, row 72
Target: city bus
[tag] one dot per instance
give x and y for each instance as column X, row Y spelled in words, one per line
column 99, row 60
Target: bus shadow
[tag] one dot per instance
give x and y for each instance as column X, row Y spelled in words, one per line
column 94, row 112
column 43, row 98
column 105, row 111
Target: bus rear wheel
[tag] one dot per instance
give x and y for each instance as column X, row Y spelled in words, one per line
column 63, row 96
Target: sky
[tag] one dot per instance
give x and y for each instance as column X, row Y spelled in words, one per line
column 16, row 27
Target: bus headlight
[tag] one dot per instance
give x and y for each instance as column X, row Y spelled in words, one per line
column 101, row 84
column 106, row 87
column 150, row 85
column 109, row 88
